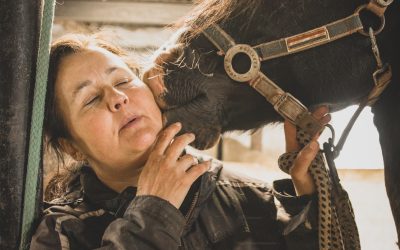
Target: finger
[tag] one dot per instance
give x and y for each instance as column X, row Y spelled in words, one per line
column 320, row 112
column 290, row 137
column 197, row 170
column 165, row 137
column 325, row 119
column 174, row 151
column 187, row 161
column 304, row 159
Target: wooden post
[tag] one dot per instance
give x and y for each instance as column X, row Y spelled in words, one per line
column 256, row 140
column 220, row 149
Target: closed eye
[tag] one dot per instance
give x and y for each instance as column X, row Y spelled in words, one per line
column 92, row 100
column 123, row 83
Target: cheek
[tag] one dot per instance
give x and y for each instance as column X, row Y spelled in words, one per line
column 94, row 129
column 153, row 107
column 144, row 98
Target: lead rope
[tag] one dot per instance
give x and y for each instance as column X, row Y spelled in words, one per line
column 330, row 227
column 337, row 227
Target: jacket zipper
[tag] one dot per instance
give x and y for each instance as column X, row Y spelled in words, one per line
column 188, row 215
column 194, row 202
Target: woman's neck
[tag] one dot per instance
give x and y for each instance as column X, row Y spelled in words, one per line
column 121, row 181
column 118, row 179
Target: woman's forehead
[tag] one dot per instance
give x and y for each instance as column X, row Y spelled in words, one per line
column 92, row 62
column 93, row 58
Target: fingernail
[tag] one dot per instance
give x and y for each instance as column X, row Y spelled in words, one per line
column 178, row 124
column 192, row 136
column 209, row 164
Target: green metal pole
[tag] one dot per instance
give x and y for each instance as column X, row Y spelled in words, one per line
column 35, row 140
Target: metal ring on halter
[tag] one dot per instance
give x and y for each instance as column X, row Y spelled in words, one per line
column 254, row 59
column 384, row 3
column 332, row 139
column 376, row 32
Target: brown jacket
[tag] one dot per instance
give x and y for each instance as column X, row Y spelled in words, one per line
column 221, row 211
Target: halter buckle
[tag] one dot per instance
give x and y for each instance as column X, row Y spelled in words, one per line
column 293, row 110
column 289, row 107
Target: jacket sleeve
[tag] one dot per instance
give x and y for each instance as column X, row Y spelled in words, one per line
column 298, row 215
column 148, row 223
column 48, row 235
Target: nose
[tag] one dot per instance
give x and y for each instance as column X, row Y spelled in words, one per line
column 117, row 100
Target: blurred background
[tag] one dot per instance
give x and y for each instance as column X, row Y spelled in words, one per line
column 141, row 27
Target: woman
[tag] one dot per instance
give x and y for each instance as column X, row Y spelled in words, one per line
column 137, row 187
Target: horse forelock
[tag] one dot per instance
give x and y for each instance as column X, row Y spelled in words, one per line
column 209, row 12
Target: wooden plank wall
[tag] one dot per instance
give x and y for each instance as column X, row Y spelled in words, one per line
column 150, row 12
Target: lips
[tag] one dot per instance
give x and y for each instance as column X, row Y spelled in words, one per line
column 130, row 121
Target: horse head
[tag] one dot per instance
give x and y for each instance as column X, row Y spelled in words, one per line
column 190, row 84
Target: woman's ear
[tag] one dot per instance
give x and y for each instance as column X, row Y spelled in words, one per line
column 71, row 150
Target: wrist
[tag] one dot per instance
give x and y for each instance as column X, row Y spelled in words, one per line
column 303, row 185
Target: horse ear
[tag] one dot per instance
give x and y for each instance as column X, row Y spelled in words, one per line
column 71, row 150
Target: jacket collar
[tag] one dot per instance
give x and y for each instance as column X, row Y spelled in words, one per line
column 99, row 195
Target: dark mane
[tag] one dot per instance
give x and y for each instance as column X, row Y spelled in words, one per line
column 210, row 12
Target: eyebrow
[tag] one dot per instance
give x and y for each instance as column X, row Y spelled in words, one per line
column 86, row 83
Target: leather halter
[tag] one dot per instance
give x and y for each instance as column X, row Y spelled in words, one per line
column 284, row 103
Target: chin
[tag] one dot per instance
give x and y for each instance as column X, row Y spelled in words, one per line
column 144, row 141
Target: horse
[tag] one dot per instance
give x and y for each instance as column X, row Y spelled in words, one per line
column 189, row 82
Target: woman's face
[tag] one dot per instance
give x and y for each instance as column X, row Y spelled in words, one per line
column 111, row 115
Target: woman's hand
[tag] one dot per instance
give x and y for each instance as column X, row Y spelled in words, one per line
column 301, row 177
column 166, row 174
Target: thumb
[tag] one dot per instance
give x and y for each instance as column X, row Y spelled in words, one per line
column 304, row 159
